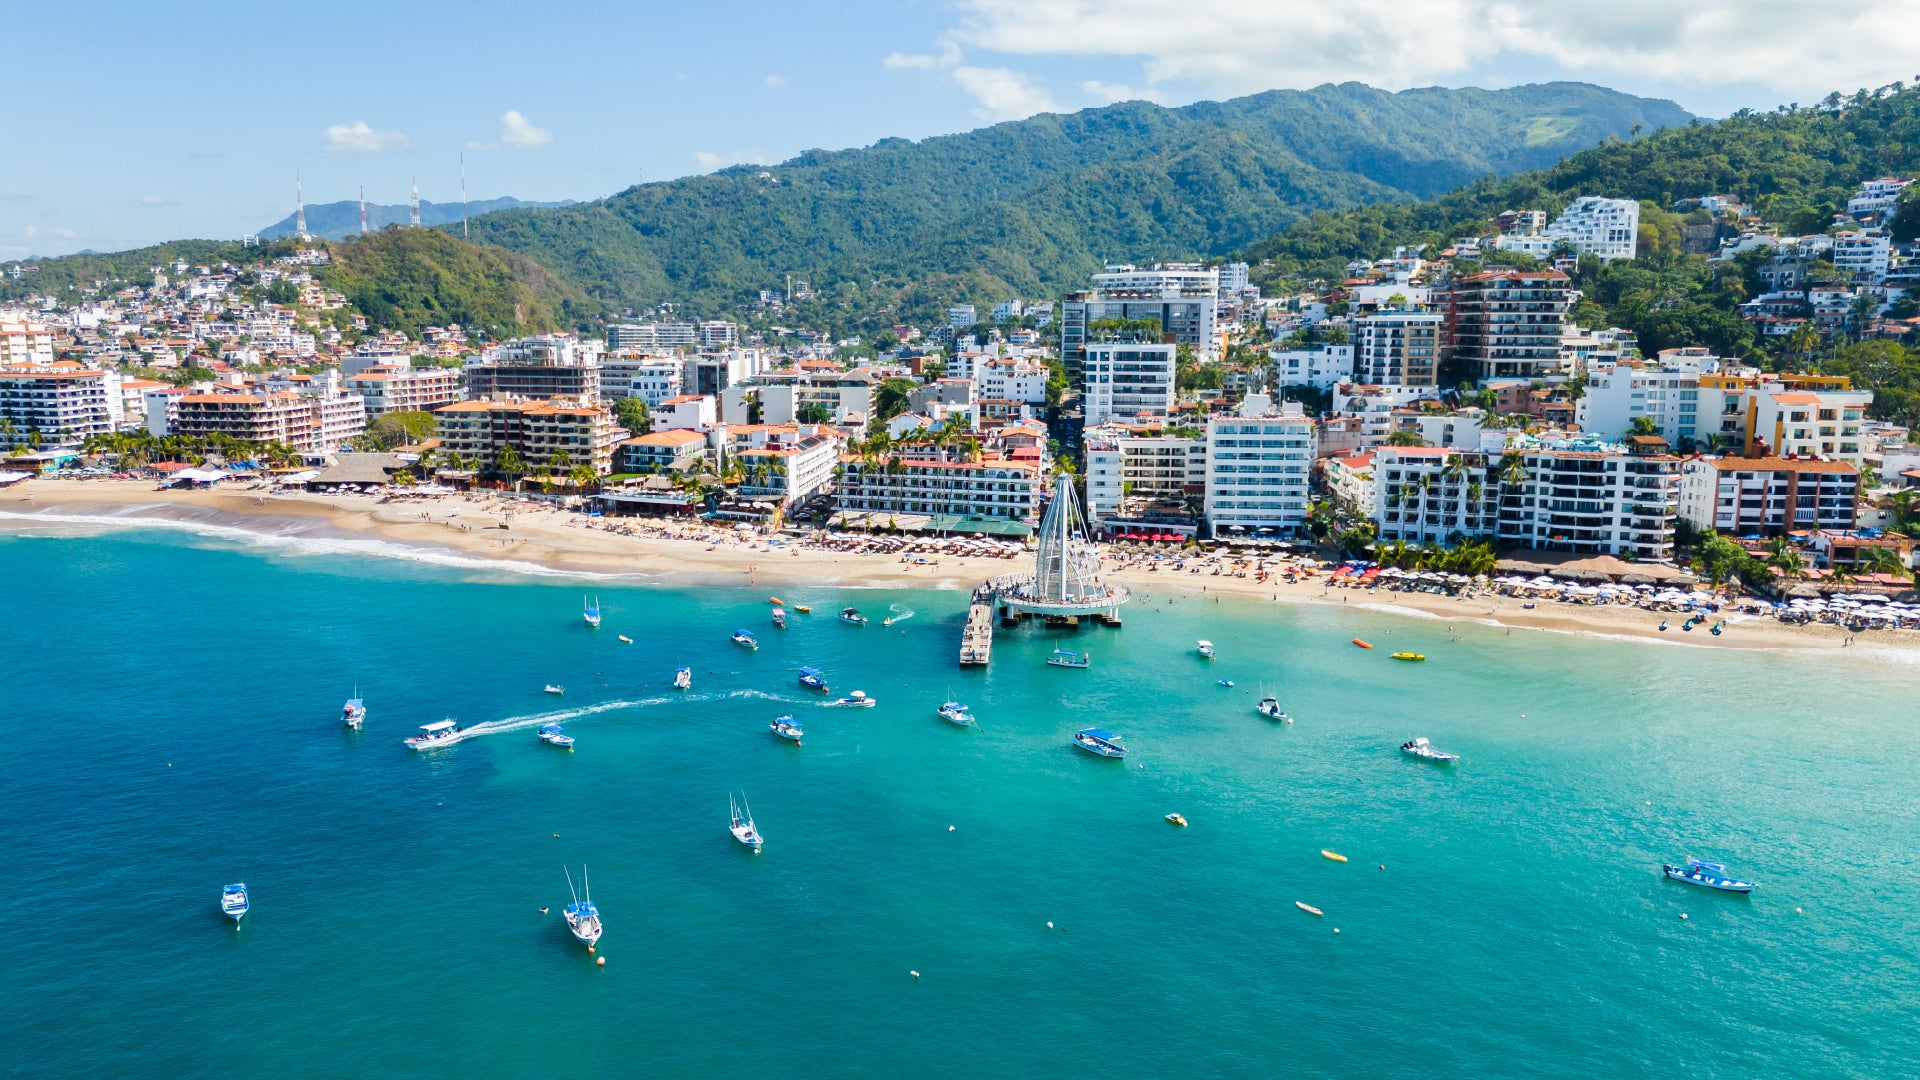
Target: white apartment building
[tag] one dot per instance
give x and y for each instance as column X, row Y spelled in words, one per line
column 1320, row 366
column 962, row 316
column 64, row 405
column 1146, row 480
column 1666, row 391
column 936, row 481
column 1234, row 277
column 307, row 422
column 718, row 335
column 1015, row 379
column 1008, row 310
column 537, row 431
column 404, row 389
column 1864, row 256
column 1767, row 496
column 790, row 470
column 1877, row 196
column 1608, row 228
column 1592, row 498
column 1259, row 465
column 24, row 343
column 1398, row 348
column 1166, row 280
column 1806, row 423
column 694, row 412
column 1128, row 380
column 1429, row 493
column 652, row 379
column 653, row 336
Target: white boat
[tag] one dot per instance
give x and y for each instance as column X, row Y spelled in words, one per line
column 856, row 700
column 742, row 826
column 592, row 612
column 583, row 919
column 1204, row 648
column 785, row 728
column 554, row 735
column 1711, row 875
column 682, row 678
column 233, row 903
column 852, row 617
column 779, row 618
column 1069, row 658
column 1420, row 748
column 552, row 689
column 955, row 713
column 1270, row 708
column 435, row 735
column 745, row 640
column 1101, row 743
column 355, row 713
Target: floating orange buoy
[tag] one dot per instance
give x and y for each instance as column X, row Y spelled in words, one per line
column 603, row 960
column 1362, row 644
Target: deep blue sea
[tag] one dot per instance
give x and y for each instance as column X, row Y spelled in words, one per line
column 174, row 703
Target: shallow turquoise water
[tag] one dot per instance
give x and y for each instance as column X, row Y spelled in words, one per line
column 175, row 701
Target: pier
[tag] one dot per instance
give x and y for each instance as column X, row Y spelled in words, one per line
column 1064, row 589
column 976, row 641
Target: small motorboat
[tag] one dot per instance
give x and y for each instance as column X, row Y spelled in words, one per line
column 851, row 617
column 355, row 713
column 745, row 640
column 856, row 700
column 1099, row 743
column 552, row 735
column 1224, row 682
column 786, row 729
column 804, row 609
column 560, row 690
column 1710, row 875
column 1413, row 656
column 1270, row 708
column 434, row 736
column 1204, row 648
column 592, row 612
column 626, row 639
column 233, row 903
column 812, row 679
column 742, row 826
column 682, row 678
column 1362, row 644
column 955, row 713
column 1176, row 819
column 1420, row 748
column 1069, row 658
column 1663, row 625
column 1308, row 908
column 779, row 618
column 583, row 919
column 1334, row 855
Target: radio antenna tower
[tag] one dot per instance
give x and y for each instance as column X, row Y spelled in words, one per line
column 363, row 209
column 463, row 194
column 299, row 208
column 414, row 218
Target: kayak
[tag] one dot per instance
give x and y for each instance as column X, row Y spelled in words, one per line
column 1334, row 855
column 1362, row 644
column 1308, row 908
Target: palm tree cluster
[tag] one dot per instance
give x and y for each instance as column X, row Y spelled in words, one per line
column 1471, row 557
column 142, row 447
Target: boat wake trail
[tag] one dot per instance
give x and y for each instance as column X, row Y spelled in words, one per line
column 559, row 716
column 901, row 613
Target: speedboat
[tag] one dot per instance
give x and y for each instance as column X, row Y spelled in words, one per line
column 682, row 678
column 1098, row 742
column 779, row 618
column 1420, row 748
column 592, row 612
column 1711, row 875
column 1176, row 819
column 233, row 903
column 552, row 689
column 745, row 640
column 742, row 826
column 1409, row 656
column 955, row 713
column 583, row 919
column 812, row 679
column 786, row 729
column 1225, row 682
column 1204, row 648
column 852, row 617
column 435, row 735
column 1270, row 708
column 856, row 700
column 355, row 713
column 553, row 735
column 1069, row 658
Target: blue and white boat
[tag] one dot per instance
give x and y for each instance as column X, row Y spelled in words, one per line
column 1100, row 743
column 1224, row 682
column 233, row 903
column 583, row 919
column 1070, row 659
column 852, row 617
column 812, row 679
column 745, row 640
column 784, row 727
column 1204, row 648
column 554, row 735
column 434, row 736
column 1710, row 875
column 856, row 700
column 592, row 612
column 1269, row 707
column 1420, row 748
column 742, row 825
column 682, row 678
column 955, row 713
column 355, row 713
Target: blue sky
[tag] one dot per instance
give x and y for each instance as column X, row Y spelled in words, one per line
column 146, row 122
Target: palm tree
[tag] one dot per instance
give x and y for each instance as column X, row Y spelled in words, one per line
column 584, row 477
column 1513, row 468
column 1803, row 341
column 1784, row 557
column 1879, row 560
column 509, row 463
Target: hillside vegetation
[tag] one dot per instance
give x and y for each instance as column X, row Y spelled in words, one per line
column 405, row 279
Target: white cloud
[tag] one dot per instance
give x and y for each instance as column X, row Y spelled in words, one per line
column 776, row 82
column 1105, row 92
column 1003, row 93
column 516, row 133
column 710, row 161
column 358, row 138
column 948, row 56
column 1241, row 46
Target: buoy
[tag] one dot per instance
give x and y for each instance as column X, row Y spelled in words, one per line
column 915, row 974
column 589, row 950
column 1383, row 866
column 602, row 961
column 1797, row 911
column 949, row 828
column 1336, row 929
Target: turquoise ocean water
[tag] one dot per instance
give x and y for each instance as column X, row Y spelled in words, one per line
column 174, row 700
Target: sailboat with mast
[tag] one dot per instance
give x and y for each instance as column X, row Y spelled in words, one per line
column 583, row 919
column 355, row 713
column 592, row 612
column 742, row 827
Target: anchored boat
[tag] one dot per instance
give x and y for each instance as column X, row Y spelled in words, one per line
column 1420, row 748
column 557, row 690
column 233, row 903
column 745, row 640
column 1270, row 708
column 1204, row 648
column 1099, row 743
column 1069, row 658
column 786, row 729
column 583, row 919
column 592, row 612
column 742, row 826
column 955, row 713
column 812, row 679
column 1709, row 875
column 779, row 618
column 554, row 735
column 682, row 678
column 355, row 713
column 852, row 617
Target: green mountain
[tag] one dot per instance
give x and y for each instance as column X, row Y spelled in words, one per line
column 340, row 220
column 1034, row 206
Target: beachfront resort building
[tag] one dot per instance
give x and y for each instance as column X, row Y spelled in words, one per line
column 952, row 489
column 59, row 404
column 680, row 450
column 1128, row 381
column 404, row 389
column 1425, row 494
column 1767, row 496
column 787, row 469
column 1590, row 497
column 1788, row 415
column 1144, row 480
column 557, row 434
column 310, row 422
column 1259, row 465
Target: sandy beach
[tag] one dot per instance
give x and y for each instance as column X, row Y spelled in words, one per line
column 694, row 555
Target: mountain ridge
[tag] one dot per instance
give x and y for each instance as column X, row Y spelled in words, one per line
column 341, row 219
